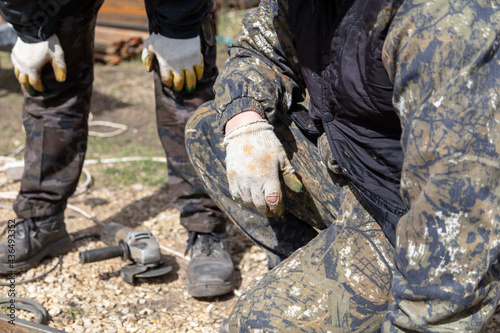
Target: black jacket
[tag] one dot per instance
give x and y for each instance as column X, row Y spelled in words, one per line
column 352, row 102
column 35, row 21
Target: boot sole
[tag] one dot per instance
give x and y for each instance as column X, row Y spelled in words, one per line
column 210, row 289
column 59, row 247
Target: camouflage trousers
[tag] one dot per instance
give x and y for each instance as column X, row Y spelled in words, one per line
column 337, row 275
column 56, row 128
column 338, row 271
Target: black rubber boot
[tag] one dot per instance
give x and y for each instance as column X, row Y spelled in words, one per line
column 31, row 240
column 211, row 270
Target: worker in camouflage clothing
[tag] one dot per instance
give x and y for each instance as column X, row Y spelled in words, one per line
column 379, row 204
column 53, row 60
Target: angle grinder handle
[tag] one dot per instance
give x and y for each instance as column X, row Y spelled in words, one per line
column 103, row 253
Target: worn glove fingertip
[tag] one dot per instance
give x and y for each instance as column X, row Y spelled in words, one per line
column 178, row 83
column 148, row 62
column 279, row 209
column 37, row 85
column 293, row 182
column 24, row 81
column 60, row 74
column 198, row 69
column 190, row 80
column 167, row 80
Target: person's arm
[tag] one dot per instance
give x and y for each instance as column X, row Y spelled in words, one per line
column 179, row 19
column 260, row 82
column 34, row 21
column 262, row 73
column 444, row 62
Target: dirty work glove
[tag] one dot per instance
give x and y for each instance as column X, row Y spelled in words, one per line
column 180, row 60
column 254, row 157
column 29, row 59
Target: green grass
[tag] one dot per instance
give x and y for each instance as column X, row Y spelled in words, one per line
column 129, row 173
column 72, row 313
column 229, row 23
column 122, row 146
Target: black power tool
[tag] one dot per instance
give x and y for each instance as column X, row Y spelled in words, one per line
column 138, row 246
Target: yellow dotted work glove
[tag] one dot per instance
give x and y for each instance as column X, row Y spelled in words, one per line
column 29, row 59
column 254, row 158
column 180, row 60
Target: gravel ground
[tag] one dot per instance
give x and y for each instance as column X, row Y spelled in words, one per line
column 93, row 297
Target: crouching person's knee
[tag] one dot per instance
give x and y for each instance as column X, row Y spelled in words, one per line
column 202, row 135
column 204, row 144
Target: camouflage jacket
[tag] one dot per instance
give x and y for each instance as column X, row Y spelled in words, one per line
column 37, row 20
column 441, row 59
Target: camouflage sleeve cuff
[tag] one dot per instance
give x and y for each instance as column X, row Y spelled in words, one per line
column 238, row 106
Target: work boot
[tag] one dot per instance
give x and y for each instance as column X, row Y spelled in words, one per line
column 211, row 270
column 33, row 239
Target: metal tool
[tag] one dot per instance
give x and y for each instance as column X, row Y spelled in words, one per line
column 10, row 324
column 24, row 326
column 138, row 246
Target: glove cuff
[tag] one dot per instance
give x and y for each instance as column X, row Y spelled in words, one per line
column 257, row 127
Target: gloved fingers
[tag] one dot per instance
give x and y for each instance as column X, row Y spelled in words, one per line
column 245, row 194
column 147, row 58
column 166, row 74
column 233, row 187
column 199, row 70
column 57, row 61
column 24, row 80
column 190, row 77
column 178, row 80
column 259, row 202
column 272, row 193
column 35, row 81
column 59, row 68
column 292, row 182
column 289, row 176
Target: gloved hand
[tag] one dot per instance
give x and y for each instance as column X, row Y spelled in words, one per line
column 254, row 157
column 29, row 59
column 180, row 60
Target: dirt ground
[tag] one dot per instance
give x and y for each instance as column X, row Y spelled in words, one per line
column 93, row 297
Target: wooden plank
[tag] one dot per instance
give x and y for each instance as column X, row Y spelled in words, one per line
column 123, row 13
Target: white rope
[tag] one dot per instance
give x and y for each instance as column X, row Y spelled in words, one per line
column 86, row 184
column 82, row 212
column 125, row 159
column 120, row 128
column 175, row 253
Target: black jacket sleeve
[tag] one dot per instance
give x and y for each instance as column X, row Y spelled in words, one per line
column 33, row 21
column 180, row 19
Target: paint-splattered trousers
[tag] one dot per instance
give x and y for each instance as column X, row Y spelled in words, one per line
column 337, row 270
column 56, row 128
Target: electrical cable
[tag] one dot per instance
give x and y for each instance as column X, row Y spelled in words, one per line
column 29, row 305
column 59, row 263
